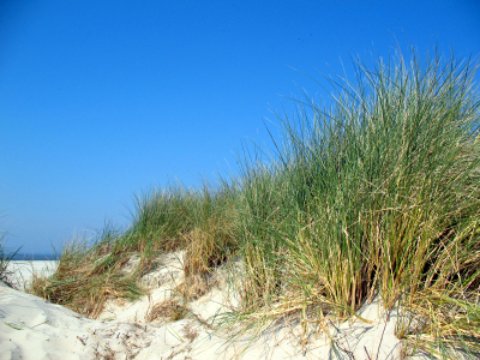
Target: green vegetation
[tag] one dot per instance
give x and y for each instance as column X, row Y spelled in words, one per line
column 3, row 267
column 377, row 195
column 200, row 222
column 5, row 273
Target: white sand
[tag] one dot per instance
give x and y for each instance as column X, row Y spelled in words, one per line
column 31, row 328
column 22, row 271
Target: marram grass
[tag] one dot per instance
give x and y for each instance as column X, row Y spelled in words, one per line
column 376, row 195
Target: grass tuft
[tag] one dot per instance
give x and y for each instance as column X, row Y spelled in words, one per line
column 84, row 281
column 378, row 194
column 5, row 273
column 170, row 310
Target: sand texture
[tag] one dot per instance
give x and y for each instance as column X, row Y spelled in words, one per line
column 31, row 328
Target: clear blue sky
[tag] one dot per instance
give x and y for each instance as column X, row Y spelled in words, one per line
column 101, row 100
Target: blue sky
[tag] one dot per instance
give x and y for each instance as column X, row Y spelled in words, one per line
column 102, row 100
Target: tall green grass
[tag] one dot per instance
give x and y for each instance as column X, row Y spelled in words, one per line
column 377, row 195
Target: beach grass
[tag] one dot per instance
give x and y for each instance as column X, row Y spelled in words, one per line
column 6, row 275
column 201, row 223
column 379, row 195
column 376, row 195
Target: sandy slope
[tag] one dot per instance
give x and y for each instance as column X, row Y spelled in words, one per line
column 31, row 328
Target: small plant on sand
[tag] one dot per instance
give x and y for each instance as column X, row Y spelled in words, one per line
column 4, row 272
column 170, row 310
column 86, row 277
column 6, row 275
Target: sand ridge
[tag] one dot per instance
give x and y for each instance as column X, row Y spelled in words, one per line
column 32, row 328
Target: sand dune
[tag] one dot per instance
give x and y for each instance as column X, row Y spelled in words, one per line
column 31, row 328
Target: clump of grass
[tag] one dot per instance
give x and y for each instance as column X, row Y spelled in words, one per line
column 162, row 218
column 170, row 310
column 83, row 281
column 200, row 222
column 195, row 286
column 378, row 194
column 210, row 242
column 5, row 273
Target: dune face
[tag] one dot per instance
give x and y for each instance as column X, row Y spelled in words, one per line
column 32, row 328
